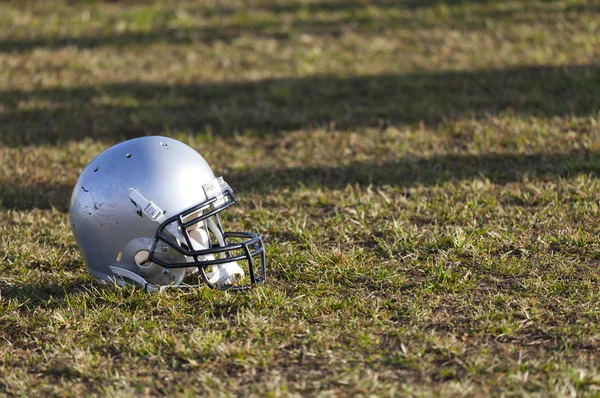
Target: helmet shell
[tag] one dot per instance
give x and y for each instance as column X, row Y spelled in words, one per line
column 108, row 227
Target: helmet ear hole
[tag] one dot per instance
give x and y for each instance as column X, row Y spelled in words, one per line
column 141, row 258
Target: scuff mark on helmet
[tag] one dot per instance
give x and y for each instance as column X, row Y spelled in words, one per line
column 85, row 190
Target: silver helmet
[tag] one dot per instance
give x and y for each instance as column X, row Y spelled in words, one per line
column 146, row 212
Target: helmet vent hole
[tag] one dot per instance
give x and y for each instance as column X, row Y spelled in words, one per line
column 128, row 155
column 141, row 258
column 164, row 144
column 96, row 169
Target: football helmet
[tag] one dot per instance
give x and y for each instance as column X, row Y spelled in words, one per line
column 146, row 212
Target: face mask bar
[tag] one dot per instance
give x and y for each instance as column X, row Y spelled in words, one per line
column 250, row 246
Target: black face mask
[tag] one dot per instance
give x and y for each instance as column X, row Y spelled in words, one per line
column 235, row 246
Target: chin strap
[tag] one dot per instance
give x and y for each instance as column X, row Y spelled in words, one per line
column 126, row 276
column 222, row 275
column 225, row 274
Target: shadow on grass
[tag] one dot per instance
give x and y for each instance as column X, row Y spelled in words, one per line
column 115, row 112
column 41, row 294
column 339, row 16
column 498, row 168
column 404, row 172
column 37, row 196
column 205, row 35
column 356, row 6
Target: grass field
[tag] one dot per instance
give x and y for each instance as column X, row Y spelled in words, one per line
column 425, row 175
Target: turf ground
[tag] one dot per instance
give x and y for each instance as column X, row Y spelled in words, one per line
column 424, row 174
